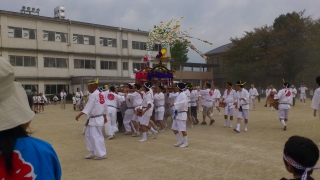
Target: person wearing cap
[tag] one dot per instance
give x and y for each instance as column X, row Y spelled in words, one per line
column 285, row 101
column 303, row 94
column 159, row 106
column 147, row 108
column 179, row 123
column 216, row 95
column 294, row 92
column 136, row 100
column 96, row 112
column 243, row 105
column 207, row 102
column 229, row 100
column 194, row 96
column 300, row 156
column 253, row 95
column 63, row 96
column 35, row 102
column 113, row 101
column 20, row 154
column 315, row 103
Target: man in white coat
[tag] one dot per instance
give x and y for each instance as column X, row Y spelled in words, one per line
column 113, row 100
column 272, row 91
column 303, row 94
column 243, row 106
column 285, row 100
column 136, row 100
column 315, row 104
column 95, row 109
column 207, row 103
column 180, row 117
column 128, row 114
column 294, row 93
column 267, row 94
column 159, row 106
column 229, row 100
column 216, row 100
column 194, row 96
column 253, row 95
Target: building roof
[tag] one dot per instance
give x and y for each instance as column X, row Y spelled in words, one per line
column 32, row 16
column 219, row 50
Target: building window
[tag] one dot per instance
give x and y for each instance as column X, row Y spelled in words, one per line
column 55, row 36
column 124, row 44
column 30, row 88
column 143, row 46
column 55, row 88
column 157, row 47
column 83, row 39
column 125, row 65
column 26, row 61
column 24, row 33
column 55, row 62
column 84, row 64
column 111, row 65
column 108, row 42
column 138, row 66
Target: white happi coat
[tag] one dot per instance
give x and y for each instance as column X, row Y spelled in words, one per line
column 285, row 98
column 135, row 98
column 194, row 95
column 188, row 96
column 253, row 93
column 303, row 90
column 207, row 95
column 172, row 98
column 95, row 109
column 267, row 92
column 130, row 107
column 159, row 102
column 35, row 99
column 245, row 95
column 230, row 98
column 181, row 106
column 294, row 91
column 79, row 95
column 147, row 99
column 315, row 104
column 216, row 95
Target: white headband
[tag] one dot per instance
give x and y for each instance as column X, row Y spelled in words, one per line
column 298, row 166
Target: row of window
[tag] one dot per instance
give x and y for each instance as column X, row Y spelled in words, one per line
column 26, row 33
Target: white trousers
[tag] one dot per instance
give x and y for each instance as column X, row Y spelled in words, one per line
column 95, row 141
column 112, row 117
column 252, row 104
column 127, row 121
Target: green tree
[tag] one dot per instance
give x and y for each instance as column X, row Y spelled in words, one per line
column 179, row 52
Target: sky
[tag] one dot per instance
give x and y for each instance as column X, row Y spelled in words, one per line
column 213, row 20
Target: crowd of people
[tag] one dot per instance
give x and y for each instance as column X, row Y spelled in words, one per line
column 25, row 156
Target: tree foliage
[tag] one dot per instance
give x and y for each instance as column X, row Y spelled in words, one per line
column 288, row 49
column 179, row 52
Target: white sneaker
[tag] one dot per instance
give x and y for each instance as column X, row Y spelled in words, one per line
column 110, row 137
column 225, row 125
column 254, row 109
column 135, row 134
column 89, row 156
column 127, row 132
column 165, row 125
column 143, row 140
column 148, row 133
column 99, row 158
column 162, row 130
column 183, row 146
column 155, row 135
column 230, row 126
column 304, row 104
column 245, row 129
column 178, row 144
column 211, row 114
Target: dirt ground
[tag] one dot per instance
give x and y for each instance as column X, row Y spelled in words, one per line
column 214, row 152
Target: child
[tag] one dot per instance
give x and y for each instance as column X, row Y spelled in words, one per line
column 74, row 101
column 81, row 105
column 55, row 99
column 300, row 155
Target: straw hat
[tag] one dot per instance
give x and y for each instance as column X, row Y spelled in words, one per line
column 14, row 106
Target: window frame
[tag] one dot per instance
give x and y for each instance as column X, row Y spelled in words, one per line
column 22, row 34
column 90, row 63
column 47, row 60
column 23, row 61
column 108, row 65
column 125, row 66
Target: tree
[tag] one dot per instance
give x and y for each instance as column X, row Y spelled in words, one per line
column 179, row 52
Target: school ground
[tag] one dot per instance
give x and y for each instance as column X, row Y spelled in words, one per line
column 214, row 152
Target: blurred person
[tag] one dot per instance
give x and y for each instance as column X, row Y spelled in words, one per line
column 267, row 94
column 303, row 94
column 35, row 102
column 74, row 101
column 294, row 93
column 63, row 96
column 207, row 103
column 216, row 100
column 229, row 100
column 253, row 95
column 315, row 104
column 272, row 92
column 21, row 156
column 260, row 92
column 284, row 97
column 79, row 96
column 41, row 100
column 311, row 93
column 159, row 106
column 136, row 100
column 194, row 96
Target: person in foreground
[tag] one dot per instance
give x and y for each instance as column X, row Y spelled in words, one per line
column 300, row 155
column 96, row 111
column 21, row 156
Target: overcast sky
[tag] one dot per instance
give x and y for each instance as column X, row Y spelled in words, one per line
column 212, row 20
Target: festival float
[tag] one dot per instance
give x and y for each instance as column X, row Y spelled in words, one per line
column 166, row 35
